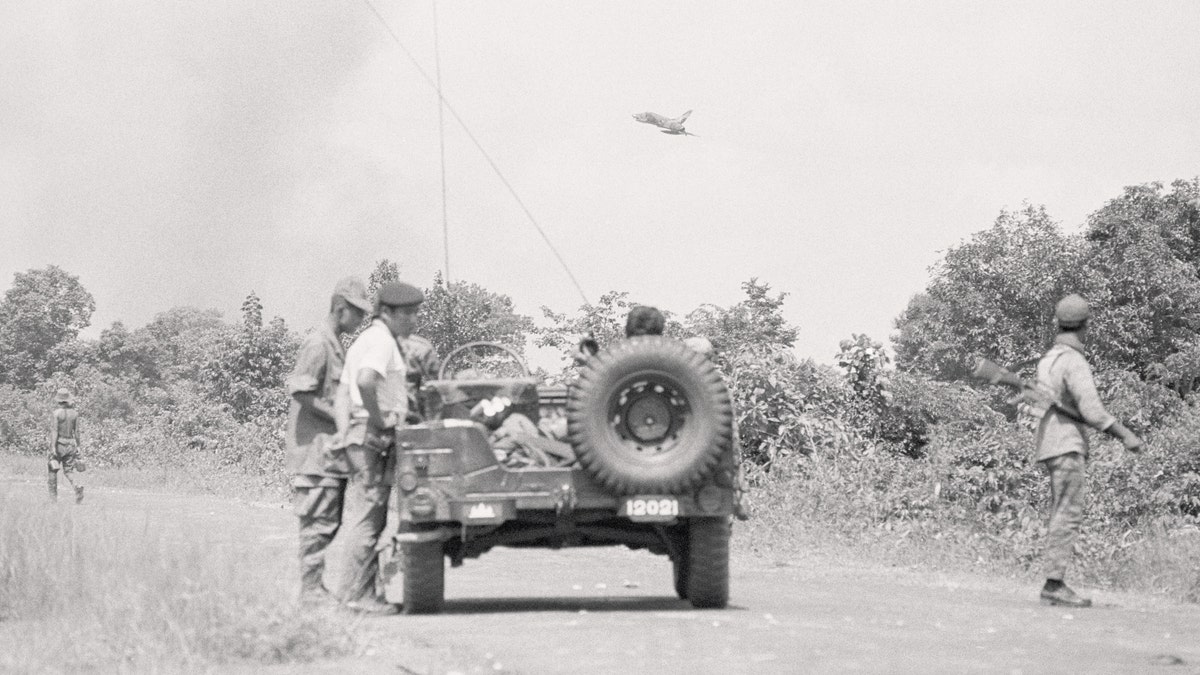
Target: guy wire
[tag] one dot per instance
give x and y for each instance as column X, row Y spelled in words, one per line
column 478, row 146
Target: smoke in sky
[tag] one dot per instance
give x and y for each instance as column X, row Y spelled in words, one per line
column 162, row 142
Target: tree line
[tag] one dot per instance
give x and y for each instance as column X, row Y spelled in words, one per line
column 1137, row 259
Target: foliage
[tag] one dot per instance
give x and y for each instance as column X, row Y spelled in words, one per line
column 756, row 321
column 992, row 296
column 1143, row 258
column 385, row 270
column 248, row 373
column 42, row 309
column 457, row 313
column 784, row 406
column 603, row 321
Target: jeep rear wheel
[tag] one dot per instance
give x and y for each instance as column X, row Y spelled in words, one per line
column 708, row 562
column 424, row 577
column 650, row 416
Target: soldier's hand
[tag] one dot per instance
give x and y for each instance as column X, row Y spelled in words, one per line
column 380, row 439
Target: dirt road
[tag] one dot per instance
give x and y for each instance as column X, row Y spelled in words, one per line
column 613, row 611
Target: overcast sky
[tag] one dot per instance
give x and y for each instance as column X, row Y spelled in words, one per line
column 188, row 153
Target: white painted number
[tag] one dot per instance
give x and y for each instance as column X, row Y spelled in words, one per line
column 653, row 507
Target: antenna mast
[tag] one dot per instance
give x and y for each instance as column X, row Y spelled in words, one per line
column 437, row 60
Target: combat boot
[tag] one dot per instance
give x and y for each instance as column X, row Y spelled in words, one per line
column 1065, row 597
column 373, row 606
column 317, row 594
column 78, row 494
column 52, row 484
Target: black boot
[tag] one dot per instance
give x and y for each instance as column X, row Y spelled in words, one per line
column 1057, row 593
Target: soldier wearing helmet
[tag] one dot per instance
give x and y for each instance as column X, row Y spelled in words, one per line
column 319, row 472
column 64, row 445
column 1063, row 375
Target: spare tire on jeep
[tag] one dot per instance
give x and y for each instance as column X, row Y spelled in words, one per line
column 649, row 415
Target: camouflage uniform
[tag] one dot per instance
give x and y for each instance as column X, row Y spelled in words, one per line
column 64, row 447
column 319, row 470
column 1063, row 375
column 422, row 363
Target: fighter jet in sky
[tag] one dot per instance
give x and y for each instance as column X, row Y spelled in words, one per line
column 666, row 124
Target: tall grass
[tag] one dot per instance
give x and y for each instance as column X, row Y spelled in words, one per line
column 943, row 511
column 93, row 589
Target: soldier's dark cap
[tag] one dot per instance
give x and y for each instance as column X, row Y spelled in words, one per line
column 398, row 294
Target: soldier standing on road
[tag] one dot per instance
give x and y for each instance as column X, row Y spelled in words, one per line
column 320, row 472
column 64, row 445
column 373, row 395
column 1064, row 376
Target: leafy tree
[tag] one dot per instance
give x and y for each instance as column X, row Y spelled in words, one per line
column 123, row 353
column 184, row 339
column 992, row 296
column 457, row 313
column 756, row 322
column 248, row 373
column 603, row 320
column 42, row 309
column 1143, row 254
column 385, row 270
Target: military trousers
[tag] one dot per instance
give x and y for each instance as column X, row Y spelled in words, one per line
column 367, row 502
column 65, row 459
column 319, row 511
column 1068, row 478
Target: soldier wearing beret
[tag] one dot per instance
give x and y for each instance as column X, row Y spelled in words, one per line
column 319, row 472
column 373, row 397
column 1064, row 376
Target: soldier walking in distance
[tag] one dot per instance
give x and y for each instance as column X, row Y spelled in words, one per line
column 374, row 397
column 1064, row 377
column 64, row 445
column 319, row 472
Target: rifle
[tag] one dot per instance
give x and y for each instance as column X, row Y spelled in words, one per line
column 994, row 373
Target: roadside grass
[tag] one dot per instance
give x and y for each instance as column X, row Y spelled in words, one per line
column 862, row 504
column 190, row 477
column 94, row 590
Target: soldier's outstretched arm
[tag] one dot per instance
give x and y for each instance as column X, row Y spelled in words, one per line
column 1129, row 439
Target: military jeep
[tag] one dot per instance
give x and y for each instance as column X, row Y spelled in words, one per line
column 650, row 424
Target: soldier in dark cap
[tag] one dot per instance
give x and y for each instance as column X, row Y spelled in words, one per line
column 64, row 445
column 373, row 397
column 645, row 320
column 319, row 472
column 1064, row 376
column 641, row 320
